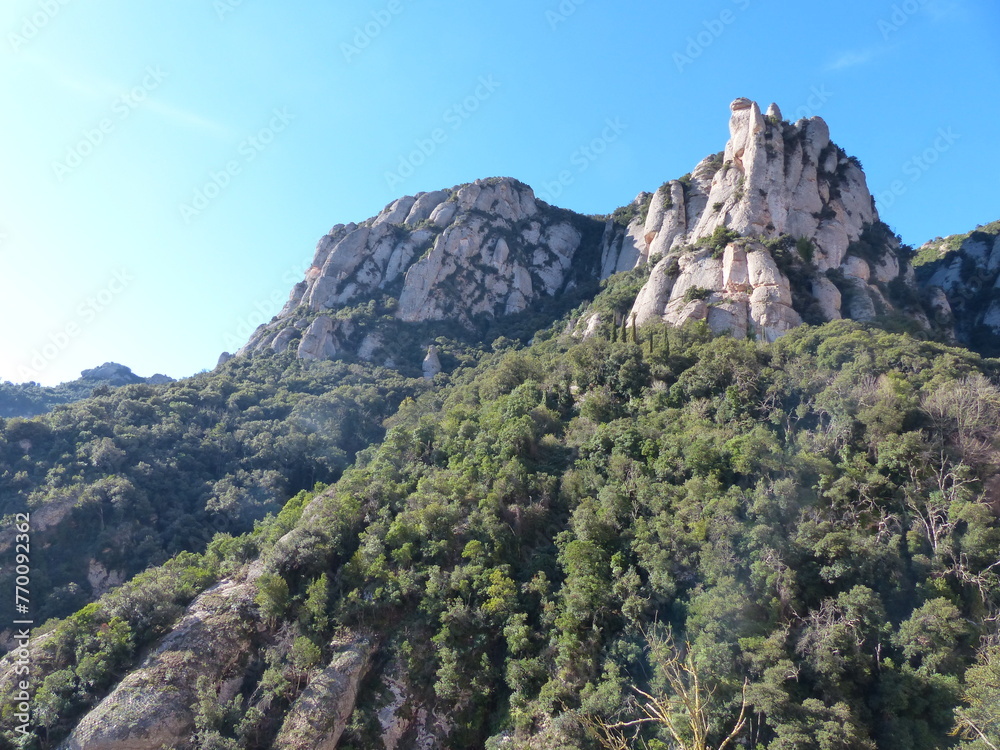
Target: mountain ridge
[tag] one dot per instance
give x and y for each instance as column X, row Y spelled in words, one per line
column 778, row 229
column 570, row 508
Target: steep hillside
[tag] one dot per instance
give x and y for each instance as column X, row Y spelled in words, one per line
column 810, row 527
column 136, row 474
column 695, row 474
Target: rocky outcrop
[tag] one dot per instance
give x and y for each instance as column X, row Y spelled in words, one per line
column 432, row 363
column 484, row 249
column 151, row 707
column 780, row 199
column 960, row 276
column 112, row 373
column 319, row 715
column 101, row 579
column 406, row 720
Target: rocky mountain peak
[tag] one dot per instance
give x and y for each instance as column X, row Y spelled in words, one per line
column 781, row 200
column 482, row 249
column 777, row 229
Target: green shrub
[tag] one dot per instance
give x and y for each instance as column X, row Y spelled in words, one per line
column 806, row 248
column 696, row 293
column 717, row 241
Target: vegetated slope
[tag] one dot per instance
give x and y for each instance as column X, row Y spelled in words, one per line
column 808, row 527
column 123, row 480
column 32, row 399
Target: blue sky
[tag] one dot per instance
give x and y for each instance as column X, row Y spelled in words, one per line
column 167, row 168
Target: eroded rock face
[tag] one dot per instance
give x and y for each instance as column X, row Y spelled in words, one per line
column 962, row 286
column 432, row 363
column 151, row 707
column 786, row 190
column 483, row 249
column 800, row 206
column 319, row 715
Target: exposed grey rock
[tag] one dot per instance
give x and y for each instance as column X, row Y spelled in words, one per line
column 396, row 212
column 111, row 373
column 280, row 342
column 369, row 346
column 318, row 341
column 320, row 714
column 827, row 296
column 489, row 248
column 483, row 249
column 774, row 180
column 101, row 579
column 151, row 707
column 961, row 286
column 432, row 363
column 425, row 204
column 593, row 326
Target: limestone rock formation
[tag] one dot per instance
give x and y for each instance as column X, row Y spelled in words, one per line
column 111, row 373
column 432, row 363
column 319, row 715
column 961, row 279
column 151, row 707
column 781, row 200
column 478, row 250
column 777, row 229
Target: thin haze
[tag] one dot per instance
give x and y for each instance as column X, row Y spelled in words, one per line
column 169, row 167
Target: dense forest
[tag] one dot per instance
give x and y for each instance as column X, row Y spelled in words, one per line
column 653, row 538
column 133, row 475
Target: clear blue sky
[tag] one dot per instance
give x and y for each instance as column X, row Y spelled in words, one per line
column 117, row 112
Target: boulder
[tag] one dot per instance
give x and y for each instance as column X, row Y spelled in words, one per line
column 151, row 707
column 317, row 342
column 432, row 363
column 320, row 714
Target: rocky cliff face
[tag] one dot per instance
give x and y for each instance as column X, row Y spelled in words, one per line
column 960, row 276
column 484, row 249
column 776, row 230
